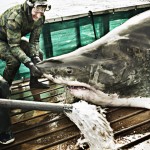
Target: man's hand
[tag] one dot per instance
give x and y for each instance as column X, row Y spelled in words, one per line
column 33, row 69
column 35, row 59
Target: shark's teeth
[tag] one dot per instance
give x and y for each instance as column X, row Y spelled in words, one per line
column 78, row 87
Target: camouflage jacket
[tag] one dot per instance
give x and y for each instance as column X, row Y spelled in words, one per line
column 16, row 23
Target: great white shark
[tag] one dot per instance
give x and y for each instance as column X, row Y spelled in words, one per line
column 112, row 71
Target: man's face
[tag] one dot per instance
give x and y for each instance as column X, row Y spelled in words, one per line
column 37, row 12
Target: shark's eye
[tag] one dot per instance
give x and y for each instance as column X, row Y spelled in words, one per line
column 69, row 70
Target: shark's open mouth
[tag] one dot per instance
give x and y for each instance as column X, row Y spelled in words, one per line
column 70, row 83
column 81, row 90
column 76, row 88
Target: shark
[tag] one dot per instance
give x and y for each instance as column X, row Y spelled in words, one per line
column 112, row 71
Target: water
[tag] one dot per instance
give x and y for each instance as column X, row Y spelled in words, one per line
column 93, row 125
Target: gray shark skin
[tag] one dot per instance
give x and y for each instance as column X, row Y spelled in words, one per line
column 119, row 62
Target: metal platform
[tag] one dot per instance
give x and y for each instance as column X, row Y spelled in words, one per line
column 44, row 130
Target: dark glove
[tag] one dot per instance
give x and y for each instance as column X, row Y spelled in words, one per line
column 35, row 59
column 33, row 69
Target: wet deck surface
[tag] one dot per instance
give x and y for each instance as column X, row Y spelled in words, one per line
column 38, row 130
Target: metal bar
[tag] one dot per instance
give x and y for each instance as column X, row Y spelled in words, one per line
column 117, row 133
column 105, row 24
column 35, row 105
column 127, row 116
column 92, row 20
column 48, row 46
column 78, row 35
column 46, row 91
column 39, row 125
column 20, row 92
column 136, row 142
column 113, row 109
column 24, row 111
column 60, row 141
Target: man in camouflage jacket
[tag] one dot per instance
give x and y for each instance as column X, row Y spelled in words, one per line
column 15, row 23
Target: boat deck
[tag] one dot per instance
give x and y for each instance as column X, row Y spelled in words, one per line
column 45, row 130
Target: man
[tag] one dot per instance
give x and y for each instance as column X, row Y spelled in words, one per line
column 6, row 135
column 15, row 23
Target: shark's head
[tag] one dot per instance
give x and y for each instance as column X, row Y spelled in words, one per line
column 115, row 63
column 79, row 70
column 82, row 71
column 64, row 70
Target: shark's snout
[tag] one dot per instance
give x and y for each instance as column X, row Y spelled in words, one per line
column 45, row 66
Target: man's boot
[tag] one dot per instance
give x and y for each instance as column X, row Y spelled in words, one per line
column 34, row 83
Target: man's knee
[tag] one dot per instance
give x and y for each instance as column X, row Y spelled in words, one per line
column 11, row 69
column 13, row 62
column 6, row 55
